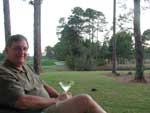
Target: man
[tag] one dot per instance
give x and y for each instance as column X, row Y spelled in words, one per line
column 21, row 91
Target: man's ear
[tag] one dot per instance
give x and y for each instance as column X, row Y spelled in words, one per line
column 6, row 50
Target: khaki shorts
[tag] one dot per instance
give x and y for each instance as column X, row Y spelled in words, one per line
column 51, row 109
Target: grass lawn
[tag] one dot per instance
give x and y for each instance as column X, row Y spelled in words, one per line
column 114, row 96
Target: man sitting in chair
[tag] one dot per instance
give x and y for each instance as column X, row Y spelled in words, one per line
column 21, row 90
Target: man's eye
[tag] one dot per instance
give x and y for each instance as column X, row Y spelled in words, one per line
column 25, row 49
column 20, row 49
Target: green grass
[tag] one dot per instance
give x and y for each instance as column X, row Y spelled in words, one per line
column 47, row 62
column 44, row 61
column 114, row 96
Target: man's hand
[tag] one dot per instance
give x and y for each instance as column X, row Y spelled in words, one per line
column 64, row 96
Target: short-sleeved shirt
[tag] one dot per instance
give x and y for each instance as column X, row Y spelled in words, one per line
column 15, row 83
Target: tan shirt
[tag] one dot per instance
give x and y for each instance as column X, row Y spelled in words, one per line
column 15, row 83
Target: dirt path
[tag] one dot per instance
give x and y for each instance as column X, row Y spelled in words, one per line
column 128, row 78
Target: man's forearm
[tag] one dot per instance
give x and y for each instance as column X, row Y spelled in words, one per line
column 34, row 102
column 52, row 92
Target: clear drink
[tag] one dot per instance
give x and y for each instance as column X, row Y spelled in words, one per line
column 66, row 85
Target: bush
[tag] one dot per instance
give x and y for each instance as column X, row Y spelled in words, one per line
column 82, row 63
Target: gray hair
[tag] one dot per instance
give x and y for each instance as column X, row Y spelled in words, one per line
column 15, row 38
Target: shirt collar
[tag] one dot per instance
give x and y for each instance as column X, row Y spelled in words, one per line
column 11, row 66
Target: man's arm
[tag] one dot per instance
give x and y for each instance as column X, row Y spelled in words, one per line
column 37, row 102
column 34, row 102
column 51, row 91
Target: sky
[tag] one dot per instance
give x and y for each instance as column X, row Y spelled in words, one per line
column 51, row 11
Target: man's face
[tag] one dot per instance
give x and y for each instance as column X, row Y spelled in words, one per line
column 17, row 53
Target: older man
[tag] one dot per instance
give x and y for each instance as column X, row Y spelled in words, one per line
column 21, row 91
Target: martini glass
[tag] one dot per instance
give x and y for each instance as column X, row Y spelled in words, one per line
column 66, row 85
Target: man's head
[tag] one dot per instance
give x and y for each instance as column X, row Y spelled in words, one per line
column 16, row 49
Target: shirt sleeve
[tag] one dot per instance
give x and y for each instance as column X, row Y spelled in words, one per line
column 10, row 90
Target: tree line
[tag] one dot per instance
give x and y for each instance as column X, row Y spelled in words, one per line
column 81, row 49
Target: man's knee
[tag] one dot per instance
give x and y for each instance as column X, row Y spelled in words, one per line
column 85, row 98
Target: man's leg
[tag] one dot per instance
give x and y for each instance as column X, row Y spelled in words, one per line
column 77, row 104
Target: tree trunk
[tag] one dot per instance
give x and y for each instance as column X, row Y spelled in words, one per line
column 37, row 36
column 114, row 39
column 7, row 24
column 138, row 43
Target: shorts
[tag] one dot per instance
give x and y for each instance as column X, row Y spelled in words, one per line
column 51, row 109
